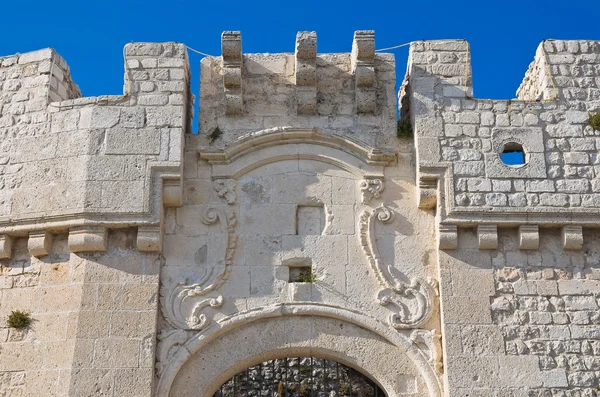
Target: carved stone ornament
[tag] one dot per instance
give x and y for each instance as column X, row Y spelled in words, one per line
column 169, row 341
column 429, row 343
column 411, row 303
column 371, row 188
column 178, row 296
column 225, row 189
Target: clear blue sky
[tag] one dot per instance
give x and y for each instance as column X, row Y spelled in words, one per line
column 90, row 35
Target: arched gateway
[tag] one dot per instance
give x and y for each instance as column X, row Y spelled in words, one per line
column 300, row 241
column 390, row 362
column 300, row 223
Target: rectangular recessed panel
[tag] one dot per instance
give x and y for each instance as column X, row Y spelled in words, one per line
column 310, row 220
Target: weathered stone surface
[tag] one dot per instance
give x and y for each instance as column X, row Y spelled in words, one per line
column 292, row 225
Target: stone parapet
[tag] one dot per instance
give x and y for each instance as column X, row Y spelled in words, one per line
column 345, row 93
column 71, row 161
column 461, row 140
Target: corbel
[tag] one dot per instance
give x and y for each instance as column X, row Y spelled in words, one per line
column 427, row 193
column 5, row 246
column 448, row 237
column 87, row 238
column 529, row 237
column 231, row 47
column 363, row 68
column 172, row 192
column 149, row 238
column 488, row 237
column 306, row 73
column 572, row 237
column 39, row 243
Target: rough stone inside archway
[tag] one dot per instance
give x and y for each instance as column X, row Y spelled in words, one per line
column 299, row 377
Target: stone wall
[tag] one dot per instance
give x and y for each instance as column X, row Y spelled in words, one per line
column 156, row 262
column 94, row 320
column 78, row 155
column 291, row 188
column 84, row 185
column 303, row 89
column 518, row 243
column 468, row 135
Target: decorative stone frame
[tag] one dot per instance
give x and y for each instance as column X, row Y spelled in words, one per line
column 532, row 141
column 279, row 342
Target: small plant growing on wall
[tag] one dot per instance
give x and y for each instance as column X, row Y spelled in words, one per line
column 594, row 121
column 404, row 129
column 215, row 134
column 307, row 276
column 19, row 319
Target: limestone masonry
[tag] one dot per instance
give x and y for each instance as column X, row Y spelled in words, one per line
column 154, row 262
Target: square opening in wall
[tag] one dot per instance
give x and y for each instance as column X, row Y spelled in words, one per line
column 301, row 271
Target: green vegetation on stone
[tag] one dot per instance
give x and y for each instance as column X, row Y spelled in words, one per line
column 594, row 121
column 215, row 134
column 404, row 129
column 307, row 276
column 19, row 320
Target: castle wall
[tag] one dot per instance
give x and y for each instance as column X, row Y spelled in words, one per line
column 303, row 89
column 83, row 185
column 265, row 201
column 94, row 320
column 156, row 262
column 518, row 260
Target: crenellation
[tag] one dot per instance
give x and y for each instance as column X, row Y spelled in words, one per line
column 322, row 96
column 305, row 73
column 231, row 43
column 298, row 223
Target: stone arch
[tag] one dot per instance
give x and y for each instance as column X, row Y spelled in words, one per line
column 264, row 147
column 216, row 354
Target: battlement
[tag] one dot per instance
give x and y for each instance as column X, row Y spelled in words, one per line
column 293, row 225
column 348, row 93
column 460, row 140
column 71, row 162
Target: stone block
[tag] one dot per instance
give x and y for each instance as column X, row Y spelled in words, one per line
column 572, row 237
column 105, row 117
column 487, row 236
column 149, row 238
column 447, row 237
column 467, row 310
column 132, row 141
column 6, row 243
column 521, row 370
column 476, row 282
column 85, row 239
column 39, row 243
column 480, row 371
column 529, row 237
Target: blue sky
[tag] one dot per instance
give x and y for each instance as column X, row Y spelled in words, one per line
column 90, row 35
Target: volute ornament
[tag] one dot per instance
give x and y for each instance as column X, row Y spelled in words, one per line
column 371, row 188
column 429, row 343
column 176, row 295
column 411, row 303
column 225, row 189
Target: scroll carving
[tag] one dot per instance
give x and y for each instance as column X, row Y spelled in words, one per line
column 183, row 302
column 412, row 302
column 429, row 343
column 371, row 188
column 169, row 341
column 225, row 189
